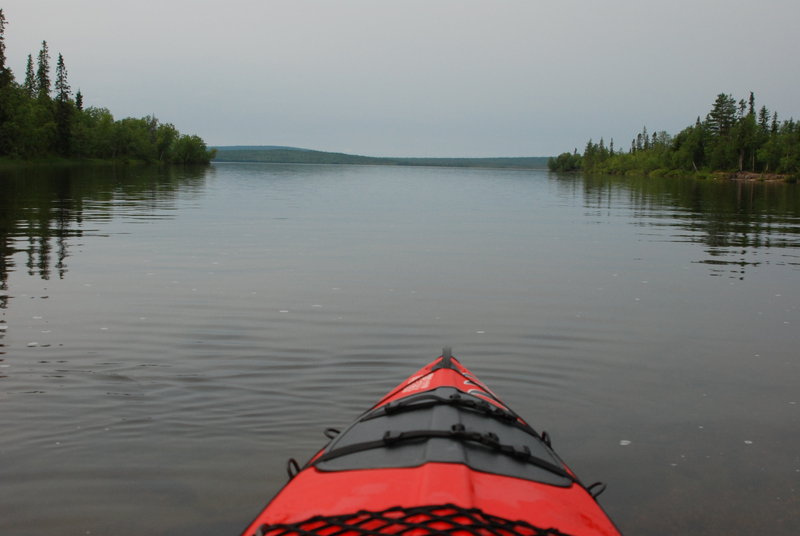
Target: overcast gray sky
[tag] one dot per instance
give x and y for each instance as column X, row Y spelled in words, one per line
column 417, row 77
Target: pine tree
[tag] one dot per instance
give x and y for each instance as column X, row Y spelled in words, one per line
column 43, row 73
column 722, row 115
column 742, row 108
column 79, row 101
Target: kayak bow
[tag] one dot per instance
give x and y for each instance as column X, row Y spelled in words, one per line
column 439, row 454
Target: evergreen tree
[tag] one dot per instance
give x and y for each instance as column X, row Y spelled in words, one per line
column 7, row 95
column 34, row 124
column 722, row 115
column 763, row 119
column 720, row 121
column 744, row 140
column 5, row 73
column 734, row 136
column 63, row 110
column 62, row 87
column 43, row 73
column 30, row 79
column 742, row 108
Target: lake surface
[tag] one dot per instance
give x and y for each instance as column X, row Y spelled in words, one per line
column 169, row 339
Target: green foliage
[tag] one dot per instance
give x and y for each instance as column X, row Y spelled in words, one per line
column 733, row 137
column 30, row 79
column 688, row 148
column 5, row 73
column 43, row 73
column 62, row 87
column 189, row 149
column 34, row 125
column 565, row 162
column 722, row 116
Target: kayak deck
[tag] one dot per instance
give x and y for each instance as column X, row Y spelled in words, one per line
column 439, row 454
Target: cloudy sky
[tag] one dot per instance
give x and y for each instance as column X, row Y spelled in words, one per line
column 417, row 77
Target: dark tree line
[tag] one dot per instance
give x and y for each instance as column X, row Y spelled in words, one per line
column 733, row 137
column 41, row 118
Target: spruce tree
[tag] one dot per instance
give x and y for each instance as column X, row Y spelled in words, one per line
column 5, row 73
column 43, row 73
column 62, row 87
column 30, row 79
column 763, row 119
column 63, row 109
column 6, row 101
column 79, row 101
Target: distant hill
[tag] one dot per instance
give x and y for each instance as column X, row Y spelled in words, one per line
column 257, row 148
column 295, row 155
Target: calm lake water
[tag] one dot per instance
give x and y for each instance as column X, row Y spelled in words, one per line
column 169, row 339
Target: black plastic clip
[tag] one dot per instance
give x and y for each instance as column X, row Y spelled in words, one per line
column 292, row 467
column 595, row 493
column 389, row 439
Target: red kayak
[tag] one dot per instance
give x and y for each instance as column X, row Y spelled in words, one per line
column 439, row 454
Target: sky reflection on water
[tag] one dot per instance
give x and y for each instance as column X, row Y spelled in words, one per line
column 166, row 336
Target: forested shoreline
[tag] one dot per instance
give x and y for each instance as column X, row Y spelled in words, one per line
column 42, row 120
column 735, row 140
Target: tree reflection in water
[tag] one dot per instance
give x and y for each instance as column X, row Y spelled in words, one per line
column 739, row 224
column 44, row 209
